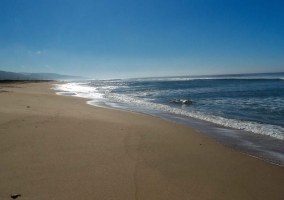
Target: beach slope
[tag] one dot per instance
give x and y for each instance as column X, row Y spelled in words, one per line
column 58, row 147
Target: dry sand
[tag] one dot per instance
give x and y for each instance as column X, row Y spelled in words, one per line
column 57, row 147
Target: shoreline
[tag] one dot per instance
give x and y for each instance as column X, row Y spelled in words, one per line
column 57, row 147
column 264, row 147
column 103, row 96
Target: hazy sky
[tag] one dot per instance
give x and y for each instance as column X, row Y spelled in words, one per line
column 135, row 38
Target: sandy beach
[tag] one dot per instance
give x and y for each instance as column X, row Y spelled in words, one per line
column 59, row 147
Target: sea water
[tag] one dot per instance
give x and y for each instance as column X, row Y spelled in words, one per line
column 246, row 106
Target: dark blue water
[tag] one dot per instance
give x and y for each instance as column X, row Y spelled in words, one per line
column 251, row 102
column 259, row 100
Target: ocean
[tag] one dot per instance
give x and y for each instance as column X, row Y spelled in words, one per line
column 244, row 112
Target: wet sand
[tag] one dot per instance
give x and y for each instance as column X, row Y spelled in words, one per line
column 59, row 147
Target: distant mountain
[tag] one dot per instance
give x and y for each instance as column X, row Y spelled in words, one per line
column 52, row 76
column 36, row 76
column 11, row 76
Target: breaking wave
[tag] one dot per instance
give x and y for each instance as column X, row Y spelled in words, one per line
column 255, row 127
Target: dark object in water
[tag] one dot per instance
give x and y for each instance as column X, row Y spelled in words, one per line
column 14, row 196
column 180, row 101
column 188, row 102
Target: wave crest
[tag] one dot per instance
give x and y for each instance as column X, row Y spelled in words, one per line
column 264, row 129
column 181, row 101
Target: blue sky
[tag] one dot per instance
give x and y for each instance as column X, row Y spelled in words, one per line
column 122, row 39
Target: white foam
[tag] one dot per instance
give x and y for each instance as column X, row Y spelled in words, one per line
column 85, row 91
column 265, row 129
column 80, row 90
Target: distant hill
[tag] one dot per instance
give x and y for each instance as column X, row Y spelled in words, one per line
column 36, row 76
column 11, row 76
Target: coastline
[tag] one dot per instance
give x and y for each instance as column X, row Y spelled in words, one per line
column 59, row 147
column 261, row 141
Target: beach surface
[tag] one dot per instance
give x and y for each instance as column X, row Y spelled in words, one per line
column 59, row 147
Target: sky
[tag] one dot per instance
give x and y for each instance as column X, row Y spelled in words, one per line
column 134, row 38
